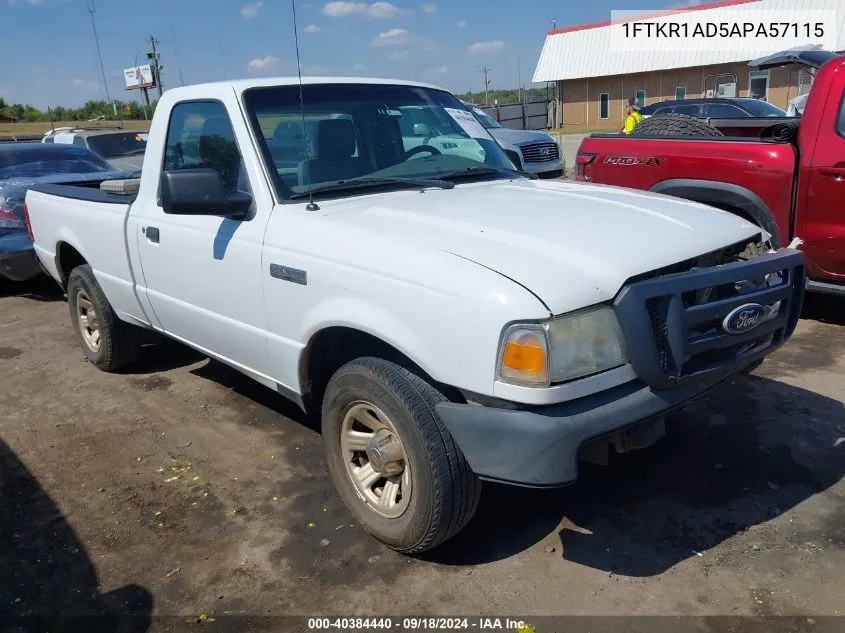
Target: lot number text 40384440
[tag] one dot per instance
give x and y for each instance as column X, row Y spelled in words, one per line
column 421, row 624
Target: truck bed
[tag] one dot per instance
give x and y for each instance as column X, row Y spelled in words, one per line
column 90, row 192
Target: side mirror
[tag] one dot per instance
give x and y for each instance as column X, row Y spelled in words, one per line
column 421, row 129
column 200, row 192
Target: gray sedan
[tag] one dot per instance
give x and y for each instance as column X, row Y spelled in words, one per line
column 530, row 150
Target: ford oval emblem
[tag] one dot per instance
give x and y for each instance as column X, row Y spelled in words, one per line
column 744, row 318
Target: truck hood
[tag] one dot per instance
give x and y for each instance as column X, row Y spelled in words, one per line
column 570, row 244
column 517, row 137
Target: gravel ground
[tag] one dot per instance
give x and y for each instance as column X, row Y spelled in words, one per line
column 182, row 488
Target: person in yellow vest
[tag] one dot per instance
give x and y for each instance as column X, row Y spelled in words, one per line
column 632, row 116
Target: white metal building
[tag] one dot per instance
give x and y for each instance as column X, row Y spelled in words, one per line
column 596, row 73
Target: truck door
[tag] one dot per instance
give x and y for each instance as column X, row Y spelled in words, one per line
column 202, row 273
column 824, row 225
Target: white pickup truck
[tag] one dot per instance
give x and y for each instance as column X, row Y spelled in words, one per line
column 452, row 319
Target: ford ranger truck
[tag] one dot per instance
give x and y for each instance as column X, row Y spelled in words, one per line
column 788, row 179
column 452, row 320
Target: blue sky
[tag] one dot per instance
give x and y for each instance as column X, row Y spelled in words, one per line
column 49, row 57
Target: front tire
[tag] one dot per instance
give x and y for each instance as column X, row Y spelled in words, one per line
column 108, row 343
column 392, row 460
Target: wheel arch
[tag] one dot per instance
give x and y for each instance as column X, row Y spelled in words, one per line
column 333, row 345
column 726, row 196
column 67, row 258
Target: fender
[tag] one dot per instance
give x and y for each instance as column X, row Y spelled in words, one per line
column 359, row 314
column 723, row 194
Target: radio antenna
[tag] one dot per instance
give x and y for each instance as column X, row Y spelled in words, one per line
column 311, row 206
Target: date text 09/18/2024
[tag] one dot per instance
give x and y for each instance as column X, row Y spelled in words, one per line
column 421, row 624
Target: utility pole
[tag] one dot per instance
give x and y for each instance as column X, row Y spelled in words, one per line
column 154, row 58
column 486, row 70
column 91, row 9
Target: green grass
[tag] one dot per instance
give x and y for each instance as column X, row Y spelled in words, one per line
column 29, row 129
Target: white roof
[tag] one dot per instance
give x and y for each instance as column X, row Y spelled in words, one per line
column 239, row 85
column 587, row 51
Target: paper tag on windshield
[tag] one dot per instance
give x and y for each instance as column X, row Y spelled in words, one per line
column 468, row 122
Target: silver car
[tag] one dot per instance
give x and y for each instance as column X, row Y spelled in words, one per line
column 122, row 149
column 531, row 151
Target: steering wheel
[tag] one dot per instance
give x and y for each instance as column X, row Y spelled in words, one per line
column 419, row 149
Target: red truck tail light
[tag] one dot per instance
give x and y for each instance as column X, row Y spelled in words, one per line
column 581, row 162
column 28, row 223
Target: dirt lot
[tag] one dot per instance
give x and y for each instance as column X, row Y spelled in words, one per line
column 182, row 488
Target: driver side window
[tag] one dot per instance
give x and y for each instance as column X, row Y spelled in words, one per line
column 200, row 134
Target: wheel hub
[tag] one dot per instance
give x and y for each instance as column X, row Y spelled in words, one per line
column 375, row 459
column 385, row 454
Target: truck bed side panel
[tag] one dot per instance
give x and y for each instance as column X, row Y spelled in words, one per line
column 766, row 169
column 97, row 231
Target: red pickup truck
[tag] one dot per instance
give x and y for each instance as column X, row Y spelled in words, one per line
column 785, row 175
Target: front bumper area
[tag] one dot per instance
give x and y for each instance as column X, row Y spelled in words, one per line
column 679, row 347
column 538, row 446
column 553, row 169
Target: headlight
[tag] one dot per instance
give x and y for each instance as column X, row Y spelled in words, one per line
column 561, row 349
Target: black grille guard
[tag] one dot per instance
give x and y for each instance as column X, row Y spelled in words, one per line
column 674, row 336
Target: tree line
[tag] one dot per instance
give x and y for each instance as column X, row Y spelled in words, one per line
column 90, row 110
column 135, row 110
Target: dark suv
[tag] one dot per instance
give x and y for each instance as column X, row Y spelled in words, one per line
column 724, row 108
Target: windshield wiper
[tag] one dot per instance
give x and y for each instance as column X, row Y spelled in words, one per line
column 486, row 170
column 367, row 181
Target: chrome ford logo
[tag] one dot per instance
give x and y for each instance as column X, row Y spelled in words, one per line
column 744, row 318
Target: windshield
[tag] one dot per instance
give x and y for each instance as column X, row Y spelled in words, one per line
column 121, row 144
column 486, row 120
column 49, row 159
column 387, row 133
column 762, row 108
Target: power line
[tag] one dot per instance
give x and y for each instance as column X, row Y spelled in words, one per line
column 486, row 70
column 176, row 50
column 91, row 10
column 222, row 60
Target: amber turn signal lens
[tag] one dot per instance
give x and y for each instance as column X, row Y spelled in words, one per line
column 527, row 354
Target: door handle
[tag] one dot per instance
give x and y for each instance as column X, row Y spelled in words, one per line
column 833, row 172
column 152, row 233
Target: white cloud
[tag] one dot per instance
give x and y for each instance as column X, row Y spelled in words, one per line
column 429, row 7
column 359, row 67
column 378, row 10
column 262, row 63
column 462, row 24
column 441, row 70
column 312, row 28
column 14, row 2
column 78, row 82
column 486, row 48
column 687, row 4
column 399, row 55
column 251, row 10
column 393, row 37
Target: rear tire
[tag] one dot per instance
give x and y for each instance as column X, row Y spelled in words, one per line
column 674, row 125
column 435, row 494
column 108, row 343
